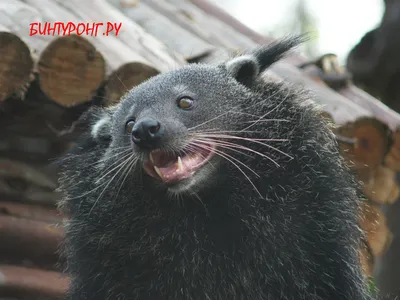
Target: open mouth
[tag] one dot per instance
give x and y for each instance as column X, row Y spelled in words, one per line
column 172, row 167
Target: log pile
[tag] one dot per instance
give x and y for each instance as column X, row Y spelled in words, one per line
column 374, row 66
column 47, row 82
column 369, row 147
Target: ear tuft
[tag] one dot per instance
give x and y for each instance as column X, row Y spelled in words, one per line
column 244, row 69
column 269, row 54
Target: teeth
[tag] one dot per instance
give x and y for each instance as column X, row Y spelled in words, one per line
column 158, row 171
column 180, row 165
column 151, row 158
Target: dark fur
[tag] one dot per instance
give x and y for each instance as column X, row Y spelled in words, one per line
column 219, row 239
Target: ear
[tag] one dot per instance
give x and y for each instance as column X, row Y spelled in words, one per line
column 244, row 69
column 94, row 128
column 98, row 121
column 101, row 129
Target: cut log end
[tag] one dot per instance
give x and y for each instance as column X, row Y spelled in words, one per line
column 31, row 239
column 382, row 186
column 16, row 65
column 125, row 78
column 70, row 70
column 392, row 160
column 370, row 142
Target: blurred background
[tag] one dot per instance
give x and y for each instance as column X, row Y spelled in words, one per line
column 336, row 26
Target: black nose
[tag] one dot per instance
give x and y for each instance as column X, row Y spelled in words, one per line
column 146, row 132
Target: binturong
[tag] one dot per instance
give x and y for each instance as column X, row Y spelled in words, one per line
column 211, row 182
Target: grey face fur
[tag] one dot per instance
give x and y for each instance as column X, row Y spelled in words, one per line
column 210, row 87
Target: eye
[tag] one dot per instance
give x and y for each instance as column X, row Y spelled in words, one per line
column 185, row 103
column 129, row 126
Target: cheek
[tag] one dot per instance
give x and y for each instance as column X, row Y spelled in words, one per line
column 121, row 141
column 176, row 128
column 194, row 117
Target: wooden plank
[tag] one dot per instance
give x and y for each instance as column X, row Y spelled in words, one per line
column 130, row 33
column 172, row 35
column 16, row 16
column 379, row 109
column 341, row 109
column 192, row 18
column 115, row 51
column 32, row 283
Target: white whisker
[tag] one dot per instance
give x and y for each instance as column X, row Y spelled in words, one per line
column 229, row 145
column 223, row 155
column 109, row 182
column 121, row 158
column 257, row 141
column 126, row 172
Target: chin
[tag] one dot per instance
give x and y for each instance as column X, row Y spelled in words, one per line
column 186, row 186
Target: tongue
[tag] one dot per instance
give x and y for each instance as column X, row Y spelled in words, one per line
column 175, row 169
column 174, row 172
column 170, row 168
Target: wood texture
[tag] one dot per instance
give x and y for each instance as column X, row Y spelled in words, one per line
column 70, row 70
column 16, row 66
column 132, row 35
column 73, row 73
column 115, row 52
column 30, row 283
column 165, row 30
column 125, row 78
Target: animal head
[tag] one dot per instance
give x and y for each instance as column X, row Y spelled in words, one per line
column 179, row 127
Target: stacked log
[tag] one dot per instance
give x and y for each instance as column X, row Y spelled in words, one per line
column 374, row 66
column 47, row 82
column 368, row 146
